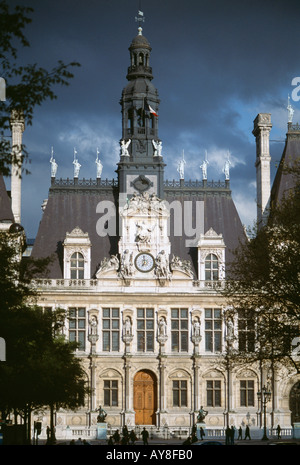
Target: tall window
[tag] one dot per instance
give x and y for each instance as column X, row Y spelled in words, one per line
column 246, row 330
column 213, row 393
column 110, row 393
column 211, row 268
column 77, row 326
column 180, row 393
column 213, row 330
column 145, row 329
column 247, row 393
column 110, row 329
column 77, row 266
column 179, row 329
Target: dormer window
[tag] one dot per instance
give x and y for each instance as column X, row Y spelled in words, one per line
column 77, row 266
column 211, row 268
column 77, row 255
column 211, row 257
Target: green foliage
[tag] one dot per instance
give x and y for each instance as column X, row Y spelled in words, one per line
column 26, row 86
column 265, row 281
column 40, row 367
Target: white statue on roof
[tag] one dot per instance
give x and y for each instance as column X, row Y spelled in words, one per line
column 180, row 168
column 204, row 167
column 53, row 165
column 227, row 167
column 99, row 165
column 76, row 164
column 290, row 111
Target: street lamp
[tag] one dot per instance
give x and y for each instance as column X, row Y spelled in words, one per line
column 264, row 397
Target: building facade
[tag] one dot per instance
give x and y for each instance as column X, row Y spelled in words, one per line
column 139, row 264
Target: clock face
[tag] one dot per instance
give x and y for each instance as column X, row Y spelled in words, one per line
column 144, row 262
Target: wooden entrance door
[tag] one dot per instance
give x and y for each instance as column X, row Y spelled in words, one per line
column 145, row 398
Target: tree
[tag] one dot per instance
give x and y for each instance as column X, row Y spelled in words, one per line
column 26, row 86
column 264, row 287
column 41, row 368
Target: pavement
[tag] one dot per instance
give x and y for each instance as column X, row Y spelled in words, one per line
column 179, row 442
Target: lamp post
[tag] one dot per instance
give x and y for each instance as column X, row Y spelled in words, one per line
column 264, row 397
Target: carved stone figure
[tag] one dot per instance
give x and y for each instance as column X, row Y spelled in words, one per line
column 162, row 266
column 124, row 148
column 180, row 168
column 93, row 326
column 126, row 269
column 102, row 415
column 127, row 327
column 144, row 233
column 77, row 167
column 157, row 148
column 201, row 415
column 162, row 327
column 226, row 168
column 196, row 328
column 53, row 167
column 99, row 166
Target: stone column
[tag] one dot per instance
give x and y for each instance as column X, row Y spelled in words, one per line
column 17, row 128
column 261, row 131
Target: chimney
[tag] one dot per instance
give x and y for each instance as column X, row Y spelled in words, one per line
column 261, row 132
column 17, row 128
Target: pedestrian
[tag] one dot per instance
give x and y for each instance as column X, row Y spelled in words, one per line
column 227, row 436
column 247, row 432
column 278, row 432
column 132, row 436
column 202, row 434
column 145, row 436
column 240, row 436
column 232, row 433
column 116, row 437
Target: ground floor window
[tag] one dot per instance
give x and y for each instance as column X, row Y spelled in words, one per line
column 180, row 393
column 110, row 393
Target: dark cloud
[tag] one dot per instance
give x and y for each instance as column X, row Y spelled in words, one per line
column 216, row 64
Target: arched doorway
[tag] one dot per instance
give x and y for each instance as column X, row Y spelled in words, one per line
column 295, row 403
column 145, row 397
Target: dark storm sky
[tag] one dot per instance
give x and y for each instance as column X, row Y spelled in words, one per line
column 216, row 65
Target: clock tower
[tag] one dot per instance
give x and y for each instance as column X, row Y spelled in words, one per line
column 141, row 166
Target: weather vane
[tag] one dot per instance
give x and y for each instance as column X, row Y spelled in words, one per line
column 140, row 18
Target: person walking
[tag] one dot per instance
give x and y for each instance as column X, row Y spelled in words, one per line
column 227, row 436
column 145, row 436
column 240, row 436
column 247, row 433
column 278, row 429
column 232, row 433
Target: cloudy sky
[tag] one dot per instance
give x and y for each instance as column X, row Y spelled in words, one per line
column 216, row 65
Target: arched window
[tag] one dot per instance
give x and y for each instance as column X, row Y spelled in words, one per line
column 211, row 268
column 77, row 266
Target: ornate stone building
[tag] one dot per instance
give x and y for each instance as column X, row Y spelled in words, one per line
column 138, row 263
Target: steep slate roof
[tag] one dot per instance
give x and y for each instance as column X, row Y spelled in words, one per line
column 6, row 213
column 72, row 206
column 66, row 209
column 284, row 181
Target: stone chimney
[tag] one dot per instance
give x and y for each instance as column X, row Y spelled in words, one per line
column 17, row 128
column 261, row 131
